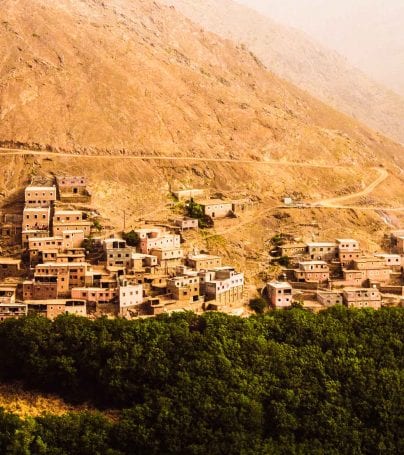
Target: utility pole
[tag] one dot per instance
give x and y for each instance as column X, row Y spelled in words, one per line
column 124, row 220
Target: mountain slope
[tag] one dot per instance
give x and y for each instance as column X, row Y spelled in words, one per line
column 113, row 75
column 294, row 56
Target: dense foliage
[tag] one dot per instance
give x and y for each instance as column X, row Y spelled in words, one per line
column 195, row 210
column 284, row 383
column 132, row 238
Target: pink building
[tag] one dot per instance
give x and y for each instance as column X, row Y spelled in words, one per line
column 312, row 271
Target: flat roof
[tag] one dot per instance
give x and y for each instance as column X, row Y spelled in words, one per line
column 347, row 241
column 198, row 257
column 39, row 188
column 279, row 284
column 67, row 212
column 53, row 301
column 312, row 262
column 36, row 209
column 387, row 255
column 213, row 202
column 321, row 244
column 9, row 260
column 36, row 239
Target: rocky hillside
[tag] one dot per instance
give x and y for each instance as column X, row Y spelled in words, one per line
column 294, row 56
column 119, row 75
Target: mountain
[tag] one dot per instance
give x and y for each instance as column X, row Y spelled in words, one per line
column 294, row 56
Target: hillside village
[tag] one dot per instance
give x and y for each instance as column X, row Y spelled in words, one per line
column 65, row 261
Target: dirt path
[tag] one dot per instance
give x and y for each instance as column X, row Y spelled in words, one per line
column 16, row 152
column 336, row 201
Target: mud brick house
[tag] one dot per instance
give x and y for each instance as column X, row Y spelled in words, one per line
column 40, row 196
column 73, row 189
column 279, row 294
column 322, row 251
column 203, row 261
column 9, row 267
column 216, row 208
column 348, row 251
column 361, row 297
column 312, row 271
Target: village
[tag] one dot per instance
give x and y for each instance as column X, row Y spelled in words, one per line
column 64, row 261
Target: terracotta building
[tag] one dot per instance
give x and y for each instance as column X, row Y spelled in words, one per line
column 312, row 271
column 279, row 294
column 40, row 196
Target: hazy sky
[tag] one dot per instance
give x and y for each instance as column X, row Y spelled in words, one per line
column 369, row 32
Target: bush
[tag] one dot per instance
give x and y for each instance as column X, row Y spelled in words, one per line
column 132, row 238
column 259, row 305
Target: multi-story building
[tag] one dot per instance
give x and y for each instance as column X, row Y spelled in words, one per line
column 73, row 189
column 8, row 306
column 36, row 219
column 95, row 295
column 312, row 271
column 168, row 257
column 373, row 269
column 130, row 297
column 322, row 251
column 40, row 196
column 392, row 261
column 118, row 254
column 348, row 251
column 70, row 220
column 225, row 287
column 280, row 294
column 361, row 297
column 141, row 261
column 9, row 267
column 159, row 240
column 184, row 288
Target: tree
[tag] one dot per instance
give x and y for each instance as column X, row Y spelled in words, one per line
column 132, row 238
column 259, row 305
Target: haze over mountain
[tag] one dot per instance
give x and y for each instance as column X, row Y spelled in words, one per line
column 294, row 56
column 369, row 32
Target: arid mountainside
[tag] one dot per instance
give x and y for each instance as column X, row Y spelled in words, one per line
column 294, row 56
column 134, row 75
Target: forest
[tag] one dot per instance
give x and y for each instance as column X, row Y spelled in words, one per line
column 286, row 382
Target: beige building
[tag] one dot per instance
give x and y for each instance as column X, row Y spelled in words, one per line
column 280, row 294
column 168, row 257
column 216, row 208
column 392, row 261
column 373, row 269
column 312, row 271
column 186, row 223
column 70, row 220
column 203, row 261
column 118, row 254
column 40, row 196
column 95, row 295
column 293, row 249
column 361, row 298
column 322, row 251
column 36, row 218
column 183, row 195
column 73, row 189
column 141, row 261
column 330, row 298
column 9, row 267
column 184, row 288
column 28, row 234
column 348, row 251
column 159, row 240
column 55, row 307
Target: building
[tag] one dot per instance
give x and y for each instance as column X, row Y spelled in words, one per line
column 216, row 208
column 183, row 195
column 203, row 261
column 53, row 308
column 312, row 271
column 33, row 234
column 322, row 251
column 373, row 269
column 348, row 251
column 36, row 218
column 141, row 261
column 70, row 220
column 392, row 261
column 118, row 254
column 293, row 249
column 330, row 298
column 40, row 196
column 279, row 294
column 57, row 277
column 225, row 287
column 130, row 298
column 361, row 297
column 184, row 288
column 73, row 189
column 9, row 267
column 159, row 240
column 186, row 223
column 168, row 257
column 95, row 295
